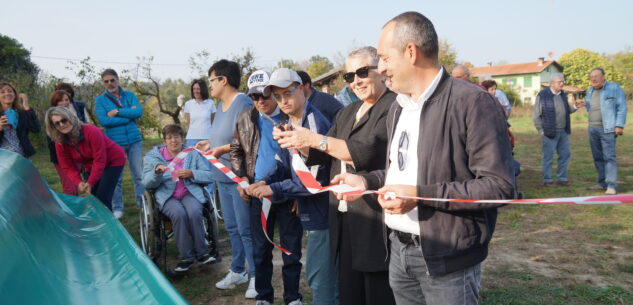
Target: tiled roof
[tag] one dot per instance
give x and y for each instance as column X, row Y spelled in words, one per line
column 522, row 68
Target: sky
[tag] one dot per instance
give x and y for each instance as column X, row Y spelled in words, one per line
column 114, row 33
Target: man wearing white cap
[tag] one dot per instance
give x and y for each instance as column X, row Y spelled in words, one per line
column 286, row 88
column 252, row 154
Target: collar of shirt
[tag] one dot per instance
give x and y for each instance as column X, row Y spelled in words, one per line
column 276, row 112
column 406, row 101
column 554, row 93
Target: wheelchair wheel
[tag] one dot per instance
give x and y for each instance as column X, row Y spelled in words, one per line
column 211, row 228
column 151, row 230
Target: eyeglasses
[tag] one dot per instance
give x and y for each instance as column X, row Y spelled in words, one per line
column 113, row 80
column 177, row 137
column 361, row 72
column 403, row 146
column 286, row 95
column 212, row 79
column 61, row 122
column 256, row 97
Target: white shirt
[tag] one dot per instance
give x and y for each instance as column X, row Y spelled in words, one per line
column 409, row 125
column 199, row 118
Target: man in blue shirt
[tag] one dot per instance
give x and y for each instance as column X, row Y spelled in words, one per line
column 117, row 111
column 252, row 154
column 327, row 104
column 606, row 104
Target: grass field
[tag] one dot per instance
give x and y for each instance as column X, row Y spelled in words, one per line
column 539, row 255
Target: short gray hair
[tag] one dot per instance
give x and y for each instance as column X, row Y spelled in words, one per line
column 557, row 75
column 368, row 51
column 465, row 68
column 64, row 113
column 413, row 27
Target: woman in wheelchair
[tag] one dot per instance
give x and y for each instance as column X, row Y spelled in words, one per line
column 181, row 200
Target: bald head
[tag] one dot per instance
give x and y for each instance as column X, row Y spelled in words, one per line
column 461, row 72
column 415, row 28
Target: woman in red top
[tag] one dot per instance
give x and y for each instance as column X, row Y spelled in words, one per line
column 84, row 149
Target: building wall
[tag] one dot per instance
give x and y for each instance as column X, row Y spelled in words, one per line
column 527, row 85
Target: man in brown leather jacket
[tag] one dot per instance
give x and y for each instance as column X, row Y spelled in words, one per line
column 252, row 153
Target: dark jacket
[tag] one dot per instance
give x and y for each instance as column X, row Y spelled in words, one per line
column 367, row 144
column 464, row 153
column 27, row 122
column 245, row 143
column 80, row 108
column 313, row 209
column 327, row 104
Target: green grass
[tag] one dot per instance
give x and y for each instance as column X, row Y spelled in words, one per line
column 539, row 255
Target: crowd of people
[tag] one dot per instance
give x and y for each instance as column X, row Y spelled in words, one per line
column 415, row 130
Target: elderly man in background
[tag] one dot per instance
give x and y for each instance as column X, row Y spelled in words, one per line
column 552, row 121
column 356, row 143
column 606, row 104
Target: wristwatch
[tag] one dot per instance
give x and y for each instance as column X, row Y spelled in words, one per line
column 323, row 144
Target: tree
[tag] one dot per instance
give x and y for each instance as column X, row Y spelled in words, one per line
column 200, row 62
column 288, row 63
column 89, row 85
column 578, row 63
column 447, row 55
column 318, row 65
column 623, row 63
column 151, row 88
column 15, row 60
column 247, row 64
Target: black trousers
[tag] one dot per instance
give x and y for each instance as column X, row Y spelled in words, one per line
column 359, row 287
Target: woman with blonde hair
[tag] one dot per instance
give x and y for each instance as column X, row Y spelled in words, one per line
column 17, row 119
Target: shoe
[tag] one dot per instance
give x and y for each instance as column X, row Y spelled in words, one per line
column 206, row 259
column 296, row 302
column 251, row 293
column 231, row 279
column 183, row 266
column 548, row 184
column 263, row 302
column 596, row 187
column 610, row 191
column 118, row 214
column 563, row 183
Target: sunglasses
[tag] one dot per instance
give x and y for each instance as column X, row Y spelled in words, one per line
column 61, row 122
column 361, row 72
column 256, row 97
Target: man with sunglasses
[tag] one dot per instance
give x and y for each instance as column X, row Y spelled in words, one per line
column 447, row 139
column 117, row 111
column 326, row 103
column 282, row 183
column 252, row 154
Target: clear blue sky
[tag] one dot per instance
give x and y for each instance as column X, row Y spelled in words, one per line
column 172, row 31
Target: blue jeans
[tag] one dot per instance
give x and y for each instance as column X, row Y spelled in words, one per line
column 290, row 235
column 104, row 188
column 559, row 144
column 134, row 153
column 320, row 269
column 603, row 151
column 237, row 221
column 412, row 285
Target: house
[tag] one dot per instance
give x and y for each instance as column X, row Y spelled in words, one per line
column 324, row 81
column 526, row 79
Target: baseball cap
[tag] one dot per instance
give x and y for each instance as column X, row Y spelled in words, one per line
column 257, row 81
column 282, row 78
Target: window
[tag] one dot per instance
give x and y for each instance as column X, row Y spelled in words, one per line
column 527, row 81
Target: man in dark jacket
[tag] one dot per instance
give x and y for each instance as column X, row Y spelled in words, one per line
column 282, row 183
column 252, row 154
column 327, row 104
column 447, row 139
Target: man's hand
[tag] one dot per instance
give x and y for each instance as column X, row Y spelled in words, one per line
column 619, row 131
column 184, row 173
column 398, row 205
column 219, row 151
column 160, row 169
column 355, row 181
column 112, row 113
column 253, row 186
column 203, row 145
column 25, row 101
column 242, row 191
column 579, row 104
column 298, row 138
column 261, row 191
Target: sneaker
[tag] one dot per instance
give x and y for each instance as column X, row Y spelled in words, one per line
column 231, row 279
column 118, row 214
column 563, row 183
column 610, row 191
column 251, row 293
column 263, row 302
column 596, row 187
column 206, row 259
column 296, row 302
column 183, row 266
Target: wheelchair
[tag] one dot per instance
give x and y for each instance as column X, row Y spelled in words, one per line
column 156, row 228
